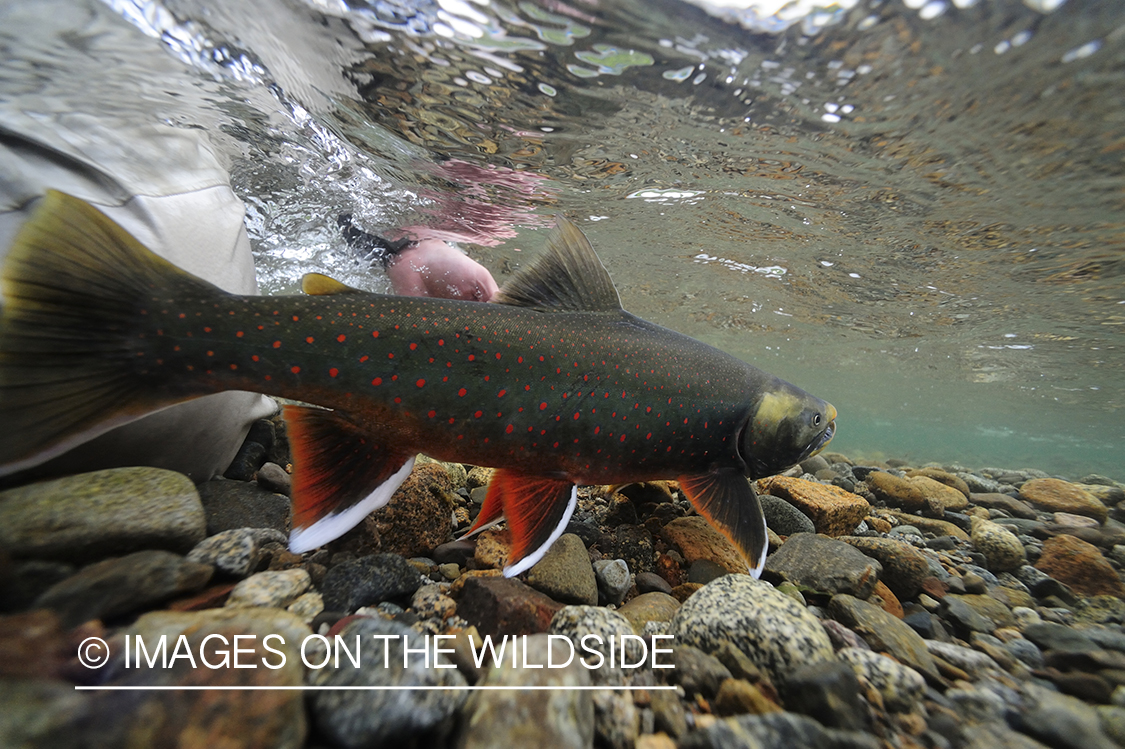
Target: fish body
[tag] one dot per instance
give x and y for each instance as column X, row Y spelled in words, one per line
column 556, row 385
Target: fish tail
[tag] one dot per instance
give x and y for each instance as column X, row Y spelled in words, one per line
column 75, row 288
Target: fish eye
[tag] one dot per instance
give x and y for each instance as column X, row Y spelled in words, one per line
column 816, row 420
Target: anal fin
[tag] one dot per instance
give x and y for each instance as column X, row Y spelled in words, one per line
column 491, row 513
column 537, row 510
column 728, row 502
column 341, row 473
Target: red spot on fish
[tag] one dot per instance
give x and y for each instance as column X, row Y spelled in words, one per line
column 206, row 329
column 341, row 338
column 333, row 372
column 377, row 381
column 509, row 429
column 498, row 356
column 420, row 383
column 277, row 344
column 543, row 406
column 472, row 357
column 462, row 392
column 363, row 358
column 254, row 357
column 295, row 369
column 237, row 335
column 501, row 394
column 309, row 339
column 623, row 438
column 295, row 318
column 597, row 429
column 391, row 355
column 413, row 346
column 432, row 414
column 478, row 414
column 375, row 334
column 576, row 416
column 441, row 342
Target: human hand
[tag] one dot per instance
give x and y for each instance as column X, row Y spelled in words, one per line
column 437, row 269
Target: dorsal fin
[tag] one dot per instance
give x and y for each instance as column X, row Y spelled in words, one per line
column 568, row 277
column 318, row 284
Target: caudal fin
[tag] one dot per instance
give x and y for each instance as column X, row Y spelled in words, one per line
column 75, row 286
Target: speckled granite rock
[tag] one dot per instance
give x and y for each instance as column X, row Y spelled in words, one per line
column 902, row 687
column 592, row 622
column 90, row 516
column 824, row 564
column 999, row 545
column 503, row 606
column 235, row 552
column 273, row 588
column 834, row 512
column 776, row 632
column 365, row 718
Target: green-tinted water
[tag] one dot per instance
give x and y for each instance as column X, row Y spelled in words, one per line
column 915, row 216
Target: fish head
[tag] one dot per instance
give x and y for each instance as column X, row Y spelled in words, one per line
column 787, row 426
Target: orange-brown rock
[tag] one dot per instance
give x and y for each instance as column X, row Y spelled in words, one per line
column 417, row 519
column 1056, row 495
column 696, row 539
column 1081, row 566
column 886, row 600
column 834, row 512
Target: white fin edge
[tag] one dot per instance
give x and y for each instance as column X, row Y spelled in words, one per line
column 484, row 527
column 331, row 527
column 756, row 570
column 533, row 558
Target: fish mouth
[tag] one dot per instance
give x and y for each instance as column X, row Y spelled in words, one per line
column 821, row 440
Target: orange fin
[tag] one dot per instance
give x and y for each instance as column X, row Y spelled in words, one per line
column 728, row 502
column 537, row 510
column 491, row 513
column 340, row 475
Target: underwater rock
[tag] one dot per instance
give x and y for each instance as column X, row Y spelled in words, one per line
column 1000, row 546
column 520, row 717
column 90, row 516
column 362, row 718
column 564, row 573
column 776, row 632
column 884, row 632
column 649, row 607
column 901, row 687
column 613, row 580
column 235, row 552
column 273, row 589
column 1081, row 566
column 697, row 539
column 231, row 504
column 122, row 585
column 367, row 581
column 825, row 565
column 783, row 518
column 416, row 519
column 904, row 567
column 1056, row 495
column 503, row 606
column 834, row 512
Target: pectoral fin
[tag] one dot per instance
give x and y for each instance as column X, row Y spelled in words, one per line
column 537, row 510
column 729, row 503
column 341, row 473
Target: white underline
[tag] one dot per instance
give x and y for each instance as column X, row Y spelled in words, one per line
column 196, row 688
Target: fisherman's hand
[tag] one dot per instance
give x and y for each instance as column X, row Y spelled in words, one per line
column 437, row 269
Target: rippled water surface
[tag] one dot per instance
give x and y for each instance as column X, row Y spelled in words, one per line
column 912, row 210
